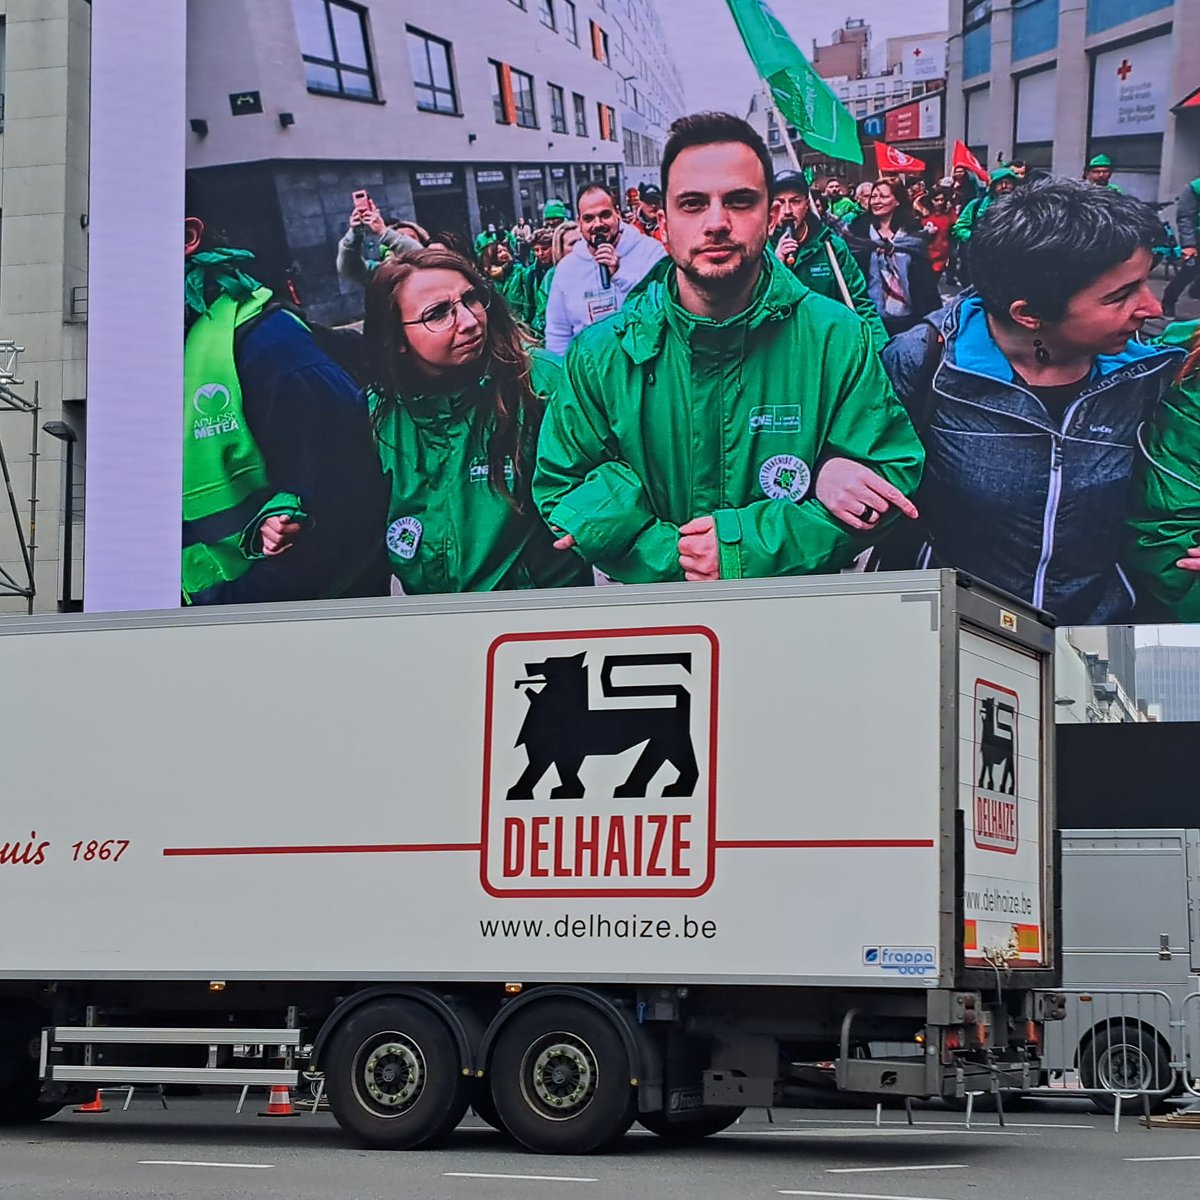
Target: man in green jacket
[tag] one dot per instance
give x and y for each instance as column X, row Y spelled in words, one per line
column 1003, row 180
column 686, row 439
column 815, row 254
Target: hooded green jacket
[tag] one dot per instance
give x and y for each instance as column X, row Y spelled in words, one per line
column 813, row 268
column 665, row 417
column 448, row 530
column 1166, row 521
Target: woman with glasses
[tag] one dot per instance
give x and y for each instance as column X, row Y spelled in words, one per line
column 456, row 401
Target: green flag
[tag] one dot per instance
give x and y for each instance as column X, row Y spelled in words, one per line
column 800, row 93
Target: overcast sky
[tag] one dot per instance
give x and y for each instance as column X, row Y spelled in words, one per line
column 712, row 60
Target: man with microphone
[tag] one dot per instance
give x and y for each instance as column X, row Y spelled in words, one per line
column 593, row 279
column 815, row 254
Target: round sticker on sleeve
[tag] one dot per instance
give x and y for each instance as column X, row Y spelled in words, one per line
column 784, row 477
column 404, row 536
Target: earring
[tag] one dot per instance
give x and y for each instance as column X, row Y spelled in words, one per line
column 1040, row 352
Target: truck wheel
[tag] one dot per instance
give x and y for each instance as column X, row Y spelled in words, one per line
column 561, row 1079
column 20, row 1086
column 395, row 1081
column 695, row 1127
column 1119, row 1059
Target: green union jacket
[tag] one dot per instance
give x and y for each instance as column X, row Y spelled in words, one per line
column 666, row 416
column 1166, row 522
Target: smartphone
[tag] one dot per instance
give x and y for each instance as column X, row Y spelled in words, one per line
column 361, row 199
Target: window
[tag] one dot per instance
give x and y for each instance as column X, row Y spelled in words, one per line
column 558, row 109
column 633, row 149
column 608, row 123
column 433, row 79
column 599, row 44
column 570, row 22
column 975, row 11
column 581, row 129
column 522, row 86
column 546, row 14
column 334, row 46
column 502, row 93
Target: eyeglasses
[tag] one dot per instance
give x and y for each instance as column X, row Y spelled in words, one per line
column 440, row 317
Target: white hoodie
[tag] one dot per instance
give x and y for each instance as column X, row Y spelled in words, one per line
column 578, row 298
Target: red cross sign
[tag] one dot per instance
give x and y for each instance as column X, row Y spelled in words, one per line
column 1125, row 69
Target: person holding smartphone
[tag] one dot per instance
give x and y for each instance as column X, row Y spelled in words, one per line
column 355, row 257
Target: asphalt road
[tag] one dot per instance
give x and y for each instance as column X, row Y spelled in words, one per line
column 200, row 1148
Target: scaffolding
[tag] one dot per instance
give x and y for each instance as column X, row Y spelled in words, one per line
column 11, row 401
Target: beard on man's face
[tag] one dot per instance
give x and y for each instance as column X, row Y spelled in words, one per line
column 722, row 273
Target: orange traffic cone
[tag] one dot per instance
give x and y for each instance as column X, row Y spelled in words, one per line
column 279, row 1103
column 93, row 1106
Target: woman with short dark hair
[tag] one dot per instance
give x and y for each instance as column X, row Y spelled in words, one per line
column 1028, row 395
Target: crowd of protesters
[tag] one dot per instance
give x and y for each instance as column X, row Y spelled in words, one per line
column 731, row 373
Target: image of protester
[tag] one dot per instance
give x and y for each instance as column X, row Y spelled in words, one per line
column 647, row 217
column 1187, row 277
column 554, row 213
column 1165, row 558
column 507, row 277
column 1028, row 395
column 593, row 279
column 684, row 441
column 456, row 400
column 357, row 257
column 536, row 280
column 1003, row 181
column 276, row 445
column 1099, row 171
column 892, row 251
column 937, row 224
column 815, row 254
column 839, row 203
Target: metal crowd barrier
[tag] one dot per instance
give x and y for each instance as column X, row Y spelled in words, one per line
column 1189, row 1025
column 1119, row 1044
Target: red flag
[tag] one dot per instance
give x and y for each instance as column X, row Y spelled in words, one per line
column 893, row 161
column 964, row 158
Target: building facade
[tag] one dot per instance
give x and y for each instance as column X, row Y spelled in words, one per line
column 455, row 115
column 44, row 114
column 1055, row 82
column 1170, row 676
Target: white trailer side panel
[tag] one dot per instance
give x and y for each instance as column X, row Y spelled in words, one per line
column 294, row 797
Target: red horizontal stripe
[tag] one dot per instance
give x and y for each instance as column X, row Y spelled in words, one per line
column 398, row 848
column 832, row 844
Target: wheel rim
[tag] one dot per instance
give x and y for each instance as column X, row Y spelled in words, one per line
column 390, row 1074
column 1125, row 1069
column 559, row 1075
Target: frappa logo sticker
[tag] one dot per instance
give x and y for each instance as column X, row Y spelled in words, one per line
column 211, row 399
column 994, row 811
column 599, row 777
column 902, row 960
column 784, row 477
column 404, row 536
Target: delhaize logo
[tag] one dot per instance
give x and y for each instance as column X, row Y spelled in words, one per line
column 212, row 402
column 599, row 772
column 995, row 809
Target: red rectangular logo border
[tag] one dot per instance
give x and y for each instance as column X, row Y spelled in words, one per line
column 975, row 767
column 601, row 893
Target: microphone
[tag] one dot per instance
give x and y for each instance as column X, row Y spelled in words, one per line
column 789, row 230
column 601, row 239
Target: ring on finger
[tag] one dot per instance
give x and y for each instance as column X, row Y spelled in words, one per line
column 867, row 514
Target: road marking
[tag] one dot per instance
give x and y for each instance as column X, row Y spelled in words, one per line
column 173, row 1162
column 1169, row 1158
column 876, row 1170
column 852, row 1195
column 523, row 1178
column 863, row 1130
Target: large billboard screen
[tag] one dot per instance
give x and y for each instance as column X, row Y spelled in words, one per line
column 396, row 298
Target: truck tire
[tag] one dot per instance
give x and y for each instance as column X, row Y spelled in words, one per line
column 695, row 1127
column 394, row 1077
column 20, row 1086
column 1124, row 1057
column 561, row 1079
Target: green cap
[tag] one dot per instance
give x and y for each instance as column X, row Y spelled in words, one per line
column 554, row 208
column 1003, row 173
column 1101, row 160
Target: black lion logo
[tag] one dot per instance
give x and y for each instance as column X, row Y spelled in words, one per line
column 560, row 730
column 996, row 746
